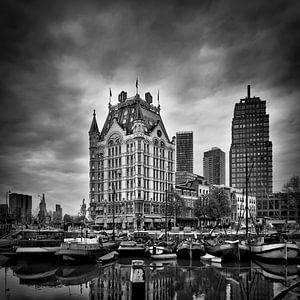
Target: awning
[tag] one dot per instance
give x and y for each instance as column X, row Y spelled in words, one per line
column 117, row 220
column 129, row 219
column 186, row 219
column 148, row 220
column 168, row 219
column 157, row 220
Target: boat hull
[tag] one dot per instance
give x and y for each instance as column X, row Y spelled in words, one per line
column 211, row 258
column 227, row 252
column 36, row 253
column 189, row 250
column 163, row 256
column 80, row 252
column 280, row 251
column 131, row 251
column 131, row 248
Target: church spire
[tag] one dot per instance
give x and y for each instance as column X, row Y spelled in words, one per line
column 94, row 125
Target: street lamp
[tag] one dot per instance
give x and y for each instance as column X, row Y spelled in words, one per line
column 117, row 172
column 247, row 181
column 113, row 210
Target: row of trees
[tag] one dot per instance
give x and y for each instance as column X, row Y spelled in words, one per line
column 215, row 205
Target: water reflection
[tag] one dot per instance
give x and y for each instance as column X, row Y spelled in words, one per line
column 39, row 274
column 174, row 279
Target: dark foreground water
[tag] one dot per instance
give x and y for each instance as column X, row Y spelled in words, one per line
column 177, row 279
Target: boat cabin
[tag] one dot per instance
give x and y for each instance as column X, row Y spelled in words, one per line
column 141, row 236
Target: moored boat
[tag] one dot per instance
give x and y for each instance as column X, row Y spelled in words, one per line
column 162, row 250
column 226, row 249
column 211, row 258
column 260, row 249
column 30, row 244
column 36, row 253
column 131, row 248
column 190, row 250
column 81, row 250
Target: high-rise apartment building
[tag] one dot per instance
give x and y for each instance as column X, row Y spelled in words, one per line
column 131, row 165
column 184, row 151
column 57, row 214
column 250, row 143
column 214, row 166
column 20, row 207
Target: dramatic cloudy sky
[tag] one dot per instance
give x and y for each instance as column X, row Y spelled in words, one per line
column 59, row 59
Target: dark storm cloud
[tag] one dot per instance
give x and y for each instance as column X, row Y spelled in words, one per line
column 53, row 53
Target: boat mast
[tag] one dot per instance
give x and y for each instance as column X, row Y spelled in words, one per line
column 246, row 193
column 166, row 209
column 113, row 211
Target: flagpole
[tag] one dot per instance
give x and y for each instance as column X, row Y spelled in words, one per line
column 137, row 85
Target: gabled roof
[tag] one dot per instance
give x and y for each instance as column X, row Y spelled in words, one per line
column 130, row 110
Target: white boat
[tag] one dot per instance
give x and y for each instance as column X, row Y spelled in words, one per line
column 162, row 250
column 211, row 258
column 269, row 251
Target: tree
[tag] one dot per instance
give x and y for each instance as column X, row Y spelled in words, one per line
column 176, row 205
column 219, row 204
column 292, row 190
column 292, row 186
column 68, row 218
column 200, row 207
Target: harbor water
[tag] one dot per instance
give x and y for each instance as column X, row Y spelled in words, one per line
column 173, row 279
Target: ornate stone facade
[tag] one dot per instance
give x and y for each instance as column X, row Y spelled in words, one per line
column 131, row 165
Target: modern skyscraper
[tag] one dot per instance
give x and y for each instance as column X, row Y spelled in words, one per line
column 250, row 142
column 184, row 151
column 131, row 165
column 214, row 166
column 57, row 214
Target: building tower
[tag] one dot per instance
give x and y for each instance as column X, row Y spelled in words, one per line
column 131, row 165
column 20, row 207
column 250, row 139
column 214, row 166
column 43, row 214
column 184, row 151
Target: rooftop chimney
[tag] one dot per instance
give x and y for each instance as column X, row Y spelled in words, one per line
column 248, row 88
column 148, row 97
column 122, row 96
